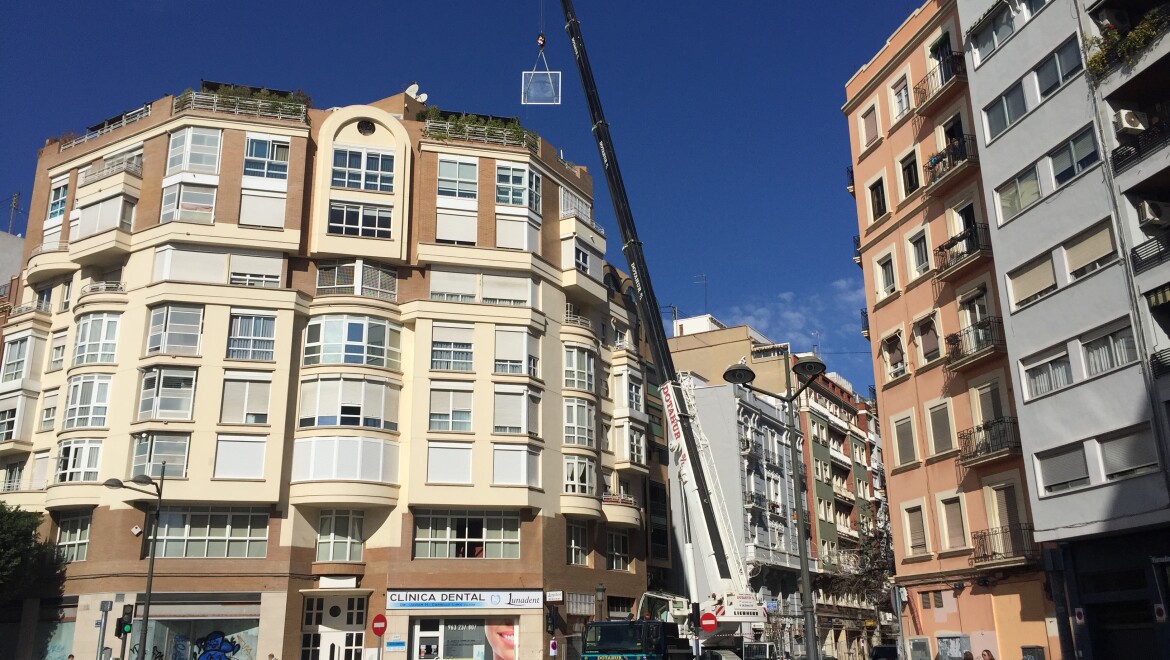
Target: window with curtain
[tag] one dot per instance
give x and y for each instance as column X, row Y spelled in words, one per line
column 1110, row 351
column 88, row 403
column 580, row 475
column 580, row 417
column 251, row 336
column 451, row 347
column 97, row 338
column 78, row 459
column 1048, row 376
column 339, row 535
column 450, row 409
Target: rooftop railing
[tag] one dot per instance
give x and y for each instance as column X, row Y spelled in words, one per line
column 507, row 136
column 240, row 106
column 127, row 118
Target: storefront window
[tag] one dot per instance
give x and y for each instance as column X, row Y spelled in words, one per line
column 492, row 638
column 233, row 639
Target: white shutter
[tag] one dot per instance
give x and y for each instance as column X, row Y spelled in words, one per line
column 448, row 463
column 509, row 409
column 451, row 282
column 534, row 468
column 234, row 401
column 453, row 228
column 390, row 462
column 506, row 287
column 508, row 464
column 197, row 266
column 510, row 344
column 240, row 457
column 458, row 334
column 511, row 232
column 256, row 264
column 348, row 454
column 262, row 210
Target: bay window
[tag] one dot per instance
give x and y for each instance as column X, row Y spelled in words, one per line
column 89, row 398
column 174, row 329
column 580, row 475
column 152, row 450
column 194, row 149
column 348, row 401
column 78, row 460
column 167, row 393
column 352, row 339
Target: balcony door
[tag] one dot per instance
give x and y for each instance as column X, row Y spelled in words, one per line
column 940, row 53
column 1007, row 536
column 990, row 435
column 973, row 314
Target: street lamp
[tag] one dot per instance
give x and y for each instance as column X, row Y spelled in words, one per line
column 145, row 480
column 809, row 366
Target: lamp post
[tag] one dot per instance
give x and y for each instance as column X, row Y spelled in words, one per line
column 145, row 480
column 810, row 367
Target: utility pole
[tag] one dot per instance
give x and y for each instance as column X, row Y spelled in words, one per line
column 12, row 211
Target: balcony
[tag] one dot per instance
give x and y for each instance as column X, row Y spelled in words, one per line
column 754, row 501
column 857, row 250
column 621, row 511
column 1149, row 254
column 961, row 250
column 975, row 342
column 839, row 457
column 49, row 260
column 753, row 448
column 943, row 168
column 131, row 167
column 842, row 492
column 584, row 215
column 1108, row 57
column 504, row 136
column 268, row 109
column 1138, row 148
column 95, row 132
column 848, row 532
column 116, row 288
column 940, row 82
column 989, row 442
column 1005, row 546
column 865, row 323
column 35, row 307
column 1160, row 363
column 849, row 180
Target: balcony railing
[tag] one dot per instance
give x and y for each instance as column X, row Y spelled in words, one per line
column 1103, row 63
column 51, row 246
column 103, row 287
column 1149, row 254
column 754, row 500
column 994, row 437
column 1160, row 363
column 577, row 319
column 35, row 306
column 619, row 499
column 849, row 179
column 751, row 448
column 843, row 491
column 865, row 323
column 972, row 240
column 1127, row 155
column 110, row 169
column 240, row 106
column 956, row 153
column 1010, row 542
column 948, row 68
column 982, row 335
column 498, row 135
column 127, row 118
column 584, row 216
column 857, row 249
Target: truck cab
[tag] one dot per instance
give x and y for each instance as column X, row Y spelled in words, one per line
column 640, row 639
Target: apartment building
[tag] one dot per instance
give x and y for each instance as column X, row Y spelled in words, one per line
column 1070, row 98
column 838, row 494
column 376, row 354
column 968, row 571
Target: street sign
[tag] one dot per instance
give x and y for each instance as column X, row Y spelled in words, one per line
column 378, row 625
column 552, row 647
column 708, row 622
column 554, row 596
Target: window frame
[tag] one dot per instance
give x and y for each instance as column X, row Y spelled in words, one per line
column 1002, row 105
column 251, row 346
column 1112, row 336
column 575, row 432
column 576, row 544
column 1046, row 360
column 271, row 165
column 350, row 541
column 580, row 368
column 580, row 475
column 188, row 202
column 16, row 359
column 185, row 147
column 156, row 409
column 388, row 355
column 185, row 536
column 159, row 334
column 617, row 550
column 360, row 220
column 73, row 528
column 78, row 460
column 447, row 422
column 377, row 179
column 85, row 414
column 1062, row 76
column 344, row 414
column 465, row 546
column 147, row 457
column 1015, row 184
column 459, row 186
column 1076, row 165
column 103, row 350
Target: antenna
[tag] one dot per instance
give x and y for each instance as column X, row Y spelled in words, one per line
column 421, row 98
column 412, row 90
column 701, row 278
column 12, row 211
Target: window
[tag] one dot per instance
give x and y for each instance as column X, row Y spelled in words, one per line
column 956, row 533
column 450, row 410
column 877, row 199
column 580, row 475
column 114, row 212
column 15, row 358
column 511, row 409
column 1063, row 469
column 455, row 229
column 927, row 333
column 940, row 428
column 458, row 178
column 167, row 393
column 452, row 286
column 152, row 450
column 212, row 532
column 78, row 460
column 359, row 277
column 245, row 401
column 634, row 389
column 255, row 279
column 58, row 195
column 339, row 536
column 1018, row 194
column 89, row 398
column 348, row 400
column 580, row 418
column 451, row 347
column 904, row 435
column 57, row 351
column 352, row 339
column 511, row 350
column 8, row 421
column 361, row 169
column 251, row 336
column 895, row 357
column 515, row 465
column 443, row 534
column 239, row 457
column 869, row 126
column 901, row 97
column 347, row 458
column 920, row 254
column 993, row 34
column 174, row 329
column 48, row 411
column 97, row 338
column 187, row 202
column 73, row 535
column 362, row 220
column 1049, row 375
column 636, row 448
column 1089, row 252
column 1110, row 351
column 194, row 149
column 1128, row 455
column 1033, row 281
column 579, row 368
column 508, row 290
column 617, row 556
column 581, row 260
column 511, row 184
column 1059, row 67
column 66, row 295
column 534, row 181
column 266, row 158
column 916, row 530
column 887, row 284
column 1074, row 156
column 517, row 233
column 577, row 544
column 1005, row 110
column 910, row 182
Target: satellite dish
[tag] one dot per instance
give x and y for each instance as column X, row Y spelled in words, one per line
column 412, row 90
column 421, row 98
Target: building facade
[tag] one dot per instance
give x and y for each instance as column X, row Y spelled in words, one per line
column 375, row 353
column 968, row 570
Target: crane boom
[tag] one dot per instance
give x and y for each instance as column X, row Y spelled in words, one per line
column 632, row 249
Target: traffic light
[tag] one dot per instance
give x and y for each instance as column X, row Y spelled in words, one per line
column 125, row 623
column 550, row 619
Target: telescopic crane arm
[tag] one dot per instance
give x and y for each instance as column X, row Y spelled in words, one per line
column 632, row 249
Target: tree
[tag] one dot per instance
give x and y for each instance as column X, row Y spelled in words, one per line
column 869, row 575
column 28, row 564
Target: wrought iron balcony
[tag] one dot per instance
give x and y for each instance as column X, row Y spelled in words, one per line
column 1160, row 363
column 849, row 179
column 1007, row 544
column 974, row 341
column 950, row 68
column 754, row 500
column 956, row 250
column 956, row 154
column 1127, row 155
column 857, row 250
column 1149, row 254
column 989, row 441
column 865, row 323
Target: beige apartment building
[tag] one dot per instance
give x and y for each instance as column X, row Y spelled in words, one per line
column 967, row 570
column 379, row 352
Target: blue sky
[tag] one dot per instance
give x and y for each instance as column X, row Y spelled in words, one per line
column 725, row 116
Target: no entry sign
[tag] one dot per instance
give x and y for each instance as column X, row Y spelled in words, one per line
column 378, row 625
column 708, row 622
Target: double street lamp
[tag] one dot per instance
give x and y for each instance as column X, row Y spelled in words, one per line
column 152, row 539
column 809, row 366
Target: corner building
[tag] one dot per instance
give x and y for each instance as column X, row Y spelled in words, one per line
column 383, row 362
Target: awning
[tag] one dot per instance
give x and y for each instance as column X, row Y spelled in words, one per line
column 1159, row 296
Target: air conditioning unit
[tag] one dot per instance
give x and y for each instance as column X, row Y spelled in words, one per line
column 1153, row 213
column 1130, row 121
column 1115, row 18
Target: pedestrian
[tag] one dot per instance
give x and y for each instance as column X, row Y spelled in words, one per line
column 986, row 655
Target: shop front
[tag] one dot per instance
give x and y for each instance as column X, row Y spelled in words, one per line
column 465, row 625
